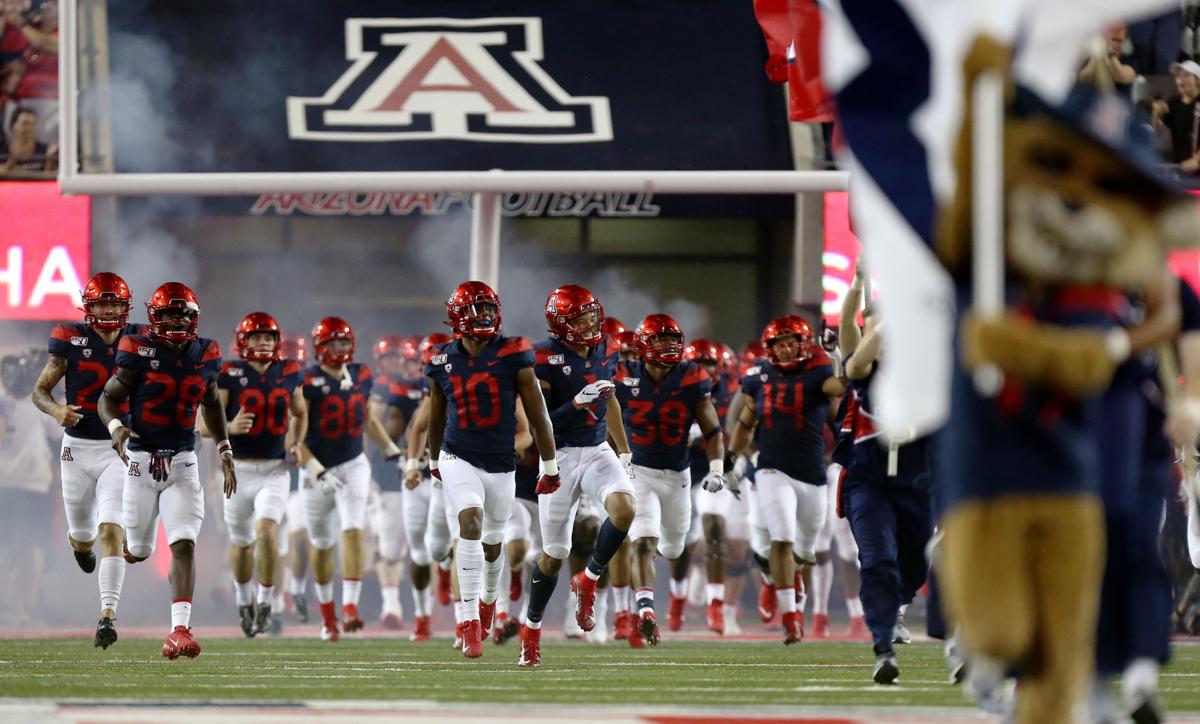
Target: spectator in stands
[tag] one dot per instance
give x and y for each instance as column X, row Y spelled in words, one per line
column 1178, row 116
column 23, row 152
column 1122, row 74
column 34, row 84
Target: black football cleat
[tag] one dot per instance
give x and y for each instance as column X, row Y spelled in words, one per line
column 262, row 618
column 106, row 633
column 300, row 601
column 86, row 561
column 247, row 615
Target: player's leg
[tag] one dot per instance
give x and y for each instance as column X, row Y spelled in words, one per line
column 321, row 522
column 298, row 553
column 438, row 539
column 583, row 541
column 777, row 501
column 760, row 548
column 647, row 522
column 390, row 566
column 516, row 548
column 351, row 504
column 182, row 508
column 811, row 505
column 822, row 571
column 675, row 522
column 846, row 561
column 604, row 480
column 873, row 520
column 111, row 575
column 464, row 488
column 270, row 506
column 239, row 521
column 416, row 523
column 499, row 494
column 80, row 469
column 620, row 573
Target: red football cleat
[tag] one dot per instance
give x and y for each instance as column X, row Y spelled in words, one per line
column 675, row 610
column 443, row 586
column 820, row 626
column 514, row 584
column 858, row 628
column 530, row 655
column 715, row 616
column 648, row 628
column 391, row 621
column 458, row 635
column 472, row 645
column 793, row 628
column 585, row 588
column 487, row 613
column 180, row 643
column 634, row 634
column 498, row 628
column 353, row 622
column 766, row 602
column 421, row 629
column 621, row 626
column 329, row 622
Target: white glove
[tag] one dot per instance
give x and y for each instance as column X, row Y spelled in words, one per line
column 330, row 483
column 713, row 482
column 626, row 463
column 739, row 467
column 599, row 390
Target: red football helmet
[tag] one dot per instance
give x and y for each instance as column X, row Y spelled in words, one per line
column 174, row 313
column 105, row 288
column 660, row 340
column 789, row 326
column 628, row 343
column 328, row 331
column 703, row 351
column 474, row 311
column 257, row 322
column 433, row 340
column 729, row 360
column 388, row 353
column 293, row 346
column 612, row 327
column 752, row 353
column 575, row 315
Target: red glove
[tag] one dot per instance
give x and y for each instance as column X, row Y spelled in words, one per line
column 547, row 484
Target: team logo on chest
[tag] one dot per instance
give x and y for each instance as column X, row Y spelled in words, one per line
column 465, row 79
column 153, row 364
column 635, row 391
column 66, row 455
column 567, row 370
column 449, row 366
column 243, row 381
column 87, row 353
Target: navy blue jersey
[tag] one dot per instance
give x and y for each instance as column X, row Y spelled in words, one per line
column 567, row 373
column 791, row 409
column 404, row 395
column 659, row 415
column 868, row 459
column 336, row 417
column 170, row 385
column 267, row 396
column 89, row 365
column 481, row 399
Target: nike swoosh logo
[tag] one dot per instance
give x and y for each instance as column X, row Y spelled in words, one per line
column 493, row 362
column 188, row 465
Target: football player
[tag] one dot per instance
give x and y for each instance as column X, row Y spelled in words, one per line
column 293, row 535
column 92, row 478
column 474, row 383
column 717, row 509
column 397, row 393
column 661, row 396
column 337, row 476
column 260, row 393
column 166, row 376
column 786, row 401
column 575, row 367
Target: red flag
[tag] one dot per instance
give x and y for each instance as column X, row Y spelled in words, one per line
column 792, row 30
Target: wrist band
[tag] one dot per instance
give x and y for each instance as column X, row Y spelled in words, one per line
column 1118, row 344
column 412, row 465
column 716, row 466
column 550, row 467
column 314, row 468
column 113, row 424
column 224, row 447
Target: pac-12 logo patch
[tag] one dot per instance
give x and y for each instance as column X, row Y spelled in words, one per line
column 447, row 78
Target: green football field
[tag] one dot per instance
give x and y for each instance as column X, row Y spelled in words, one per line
column 691, row 674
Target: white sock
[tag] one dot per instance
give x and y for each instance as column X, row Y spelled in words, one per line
column 458, row 612
column 491, row 579
column 391, row 600
column 325, row 592
column 621, row 598
column 533, row 625
column 801, row 599
column 277, row 601
column 295, row 586
column 786, row 598
column 904, row 609
column 678, row 588
column 351, row 590
column 1140, row 676
column 569, row 613
column 854, row 607
column 822, row 584
column 181, row 613
column 469, row 558
column 265, row 594
column 112, row 576
column 731, row 610
column 423, row 600
column 245, row 593
column 714, row 591
column 602, row 608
